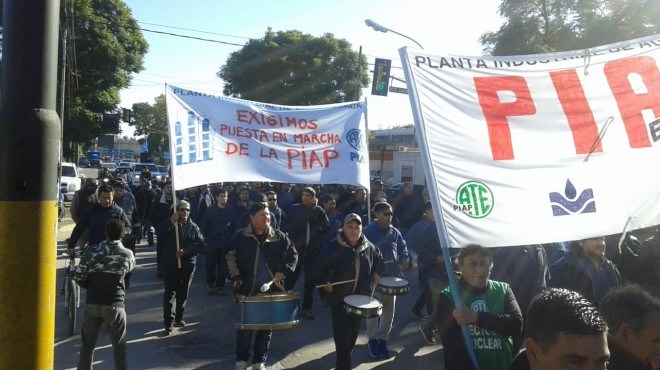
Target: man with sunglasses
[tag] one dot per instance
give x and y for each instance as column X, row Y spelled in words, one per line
column 389, row 241
column 178, row 262
column 275, row 210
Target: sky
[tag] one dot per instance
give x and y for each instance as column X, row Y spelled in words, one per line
column 447, row 27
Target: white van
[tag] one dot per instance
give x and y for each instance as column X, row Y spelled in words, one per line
column 71, row 181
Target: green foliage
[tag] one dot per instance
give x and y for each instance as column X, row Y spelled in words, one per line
column 292, row 68
column 151, row 120
column 542, row 26
column 105, row 47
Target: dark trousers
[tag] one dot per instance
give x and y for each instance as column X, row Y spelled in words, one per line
column 307, row 261
column 177, row 282
column 260, row 348
column 345, row 330
column 115, row 320
column 216, row 267
column 425, row 299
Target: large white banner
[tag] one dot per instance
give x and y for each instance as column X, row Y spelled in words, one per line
column 540, row 148
column 214, row 139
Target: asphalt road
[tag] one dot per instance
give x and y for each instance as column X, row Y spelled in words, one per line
column 207, row 342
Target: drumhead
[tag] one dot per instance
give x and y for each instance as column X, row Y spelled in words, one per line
column 393, row 281
column 362, row 301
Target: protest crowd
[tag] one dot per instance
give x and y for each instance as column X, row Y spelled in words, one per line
column 574, row 305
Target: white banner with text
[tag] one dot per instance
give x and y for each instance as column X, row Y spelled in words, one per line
column 218, row 139
column 540, row 148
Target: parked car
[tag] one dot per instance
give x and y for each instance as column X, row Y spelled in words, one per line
column 70, row 181
column 137, row 169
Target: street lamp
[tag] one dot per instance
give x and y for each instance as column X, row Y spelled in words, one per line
column 378, row 27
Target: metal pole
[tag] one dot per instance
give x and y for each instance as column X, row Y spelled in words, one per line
column 29, row 145
column 358, row 85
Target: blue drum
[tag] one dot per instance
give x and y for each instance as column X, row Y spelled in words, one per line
column 268, row 311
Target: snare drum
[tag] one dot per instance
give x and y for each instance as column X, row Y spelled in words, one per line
column 268, row 311
column 362, row 305
column 393, row 285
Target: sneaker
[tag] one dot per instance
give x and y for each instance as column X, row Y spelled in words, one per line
column 210, row 288
column 220, row 291
column 307, row 314
column 382, row 347
column 259, row 365
column 179, row 324
column 168, row 330
column 374, row 348
column 417, row 312
column 241, row 365
column 428, row 335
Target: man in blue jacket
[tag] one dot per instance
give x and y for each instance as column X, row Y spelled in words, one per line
column 218, row 226
column 395, row 258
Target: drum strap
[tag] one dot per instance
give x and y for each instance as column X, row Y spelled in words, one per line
column 357, row 269
column 261, row 241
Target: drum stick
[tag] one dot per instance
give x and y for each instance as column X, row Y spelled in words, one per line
column 267, row 285
column 337, row 283
column 372, row 292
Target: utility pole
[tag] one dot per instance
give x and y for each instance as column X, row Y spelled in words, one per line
column 29, row 155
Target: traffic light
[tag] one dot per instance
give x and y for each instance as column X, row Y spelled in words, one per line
column 126, row 115
column 381, row 77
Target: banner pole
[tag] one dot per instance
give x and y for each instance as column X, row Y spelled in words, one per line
column 433, row 193
column 366, row 129
column 176, row 224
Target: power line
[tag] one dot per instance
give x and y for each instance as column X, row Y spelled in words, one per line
column 187, row 37
column 193, row 30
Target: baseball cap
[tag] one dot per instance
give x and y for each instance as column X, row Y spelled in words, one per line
column 352, row 217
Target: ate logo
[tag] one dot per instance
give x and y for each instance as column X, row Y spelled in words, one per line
column 474, row 199
column 479, row 306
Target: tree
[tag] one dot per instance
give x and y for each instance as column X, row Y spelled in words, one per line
column 105, row 46
column 292, row 68
column 151, row 120
column 542, row 26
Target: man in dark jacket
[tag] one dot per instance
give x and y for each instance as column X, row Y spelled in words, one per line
column 101, row 271
column 161, row 209
column 408, row 207
column 585, row 269
column 218, row 226
column 258, row 254
column 95, row 218
column 565, row 331
column 83, row 199
column 337, row 264
column 306, row 224
column 178, row 262
column 633, row 317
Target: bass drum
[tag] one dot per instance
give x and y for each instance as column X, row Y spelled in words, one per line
column 268, row 311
